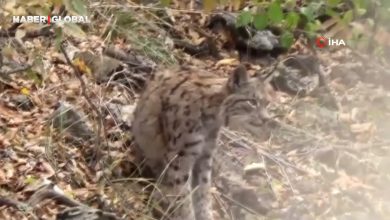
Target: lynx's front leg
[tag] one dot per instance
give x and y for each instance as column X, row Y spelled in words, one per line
column 186, row 143
column 177, row 186
column 201, row 183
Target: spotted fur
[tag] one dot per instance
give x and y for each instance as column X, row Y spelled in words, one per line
column 176, row 125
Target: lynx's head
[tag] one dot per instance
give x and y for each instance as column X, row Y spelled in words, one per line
column 247, row 95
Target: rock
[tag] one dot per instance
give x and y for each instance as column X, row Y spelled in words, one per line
column 65, row 117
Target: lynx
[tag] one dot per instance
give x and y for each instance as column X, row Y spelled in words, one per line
column 176, row 124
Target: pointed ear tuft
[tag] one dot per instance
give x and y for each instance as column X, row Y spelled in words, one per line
column 238, row 78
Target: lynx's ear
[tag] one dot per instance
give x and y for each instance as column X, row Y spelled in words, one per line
column 238, row 78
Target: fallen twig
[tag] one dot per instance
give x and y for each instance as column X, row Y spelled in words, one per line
column 97, row 153
column 12, row 203
column 77, row 210
column 44, row 32
column 129, row 59
column 249, row 144
column 49, row 191
column 16, row 70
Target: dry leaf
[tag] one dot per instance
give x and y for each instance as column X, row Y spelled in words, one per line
column 227, row 61
column 25, row 91
column 254, row 167
column 80, row 64
column 19, row 34
column 362, row 127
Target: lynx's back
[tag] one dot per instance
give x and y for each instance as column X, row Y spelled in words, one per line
column 176, row 125
column 178, row 99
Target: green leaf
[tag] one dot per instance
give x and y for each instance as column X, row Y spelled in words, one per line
column 333, row 3
column 312, row 27
column 331, row 12
column 275, row 13
column 292, row 20
column 361, row 4
column 80, row 7
column 260, row 21
column 30, row 180
column 73, row 30
column 348, row 17
column 287, row 39
column 370, row 22
column 312, row 10
column 40, row 9
column 34, row 76
column 290, row 4
column 316, row 6
column 244, row 18
column 59, row 37
column 308, row 12
column 361, row 11
column 77, row 7
column 125, row 19
column 165, row 2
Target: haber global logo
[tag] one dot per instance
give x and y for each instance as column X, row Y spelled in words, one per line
column 322, row 42
column 50, row 19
